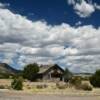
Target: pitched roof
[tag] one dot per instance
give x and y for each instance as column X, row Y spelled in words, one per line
column 44, row 68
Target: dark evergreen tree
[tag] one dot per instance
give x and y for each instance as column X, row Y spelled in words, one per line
column 67, row 75
column 30, row 71
column 95, row 79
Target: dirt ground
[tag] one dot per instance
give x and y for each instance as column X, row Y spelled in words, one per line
column 22, row 96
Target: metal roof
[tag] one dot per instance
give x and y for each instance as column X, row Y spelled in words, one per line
column 45, row 68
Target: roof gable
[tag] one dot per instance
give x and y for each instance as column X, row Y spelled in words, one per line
column 47, row 68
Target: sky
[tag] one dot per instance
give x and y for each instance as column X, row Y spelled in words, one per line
column 63, row 32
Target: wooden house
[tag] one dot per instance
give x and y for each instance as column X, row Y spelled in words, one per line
column 51, row 73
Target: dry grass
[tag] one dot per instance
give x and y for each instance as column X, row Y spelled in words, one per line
column 5, row 81
column 51, row 88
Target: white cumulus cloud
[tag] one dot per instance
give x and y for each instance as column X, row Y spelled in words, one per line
column 23, row 41
column 84, row 8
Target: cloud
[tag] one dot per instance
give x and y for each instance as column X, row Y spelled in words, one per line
column 97, row 6
column 4, row 5
column 78, row 23
column 71, row 2
column 84, row 8
column 23, row 41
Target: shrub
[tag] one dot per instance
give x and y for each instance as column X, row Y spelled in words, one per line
column 5, row 75
column 95, row 79
column 41, row 86
column 28, row 87
column 5, row 87
column 86, row 87
column 17, row 84
column 76, row 81
column 61, row 85
column 2, row 87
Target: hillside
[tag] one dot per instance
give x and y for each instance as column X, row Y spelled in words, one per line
column 6, row 70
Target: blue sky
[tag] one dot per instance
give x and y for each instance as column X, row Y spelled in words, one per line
column 52, row 11
column 66, row 32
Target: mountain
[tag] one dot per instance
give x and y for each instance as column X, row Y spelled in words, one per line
column 6, row 70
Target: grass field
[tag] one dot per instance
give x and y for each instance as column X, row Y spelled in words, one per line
column 31, row 87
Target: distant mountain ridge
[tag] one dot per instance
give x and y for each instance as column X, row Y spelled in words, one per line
column 7, row 69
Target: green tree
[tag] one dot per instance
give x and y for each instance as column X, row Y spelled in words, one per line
column 30, row 71
column 95, row 79
column 17, row 83
column 67, row 75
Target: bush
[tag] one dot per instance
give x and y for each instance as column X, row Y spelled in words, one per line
column 76, row 81
column 2, row 87
column 5, row 87
column 41, row 86
column 61, row 85
column 28, row 87
column 86, row 87
column 30, row 72
column 5, row 75
column 17, row 84
column 86, row 78
column 95, row 79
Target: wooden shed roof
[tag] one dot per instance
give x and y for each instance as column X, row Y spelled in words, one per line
column 44, row 68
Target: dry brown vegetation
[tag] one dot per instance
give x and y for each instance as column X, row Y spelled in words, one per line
column 50, row 88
